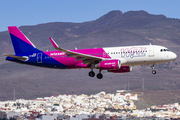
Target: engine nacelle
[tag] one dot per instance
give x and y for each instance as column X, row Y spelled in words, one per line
column 109, row 65
column 123, row 69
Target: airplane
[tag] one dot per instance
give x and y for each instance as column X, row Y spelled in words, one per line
column 113, row 59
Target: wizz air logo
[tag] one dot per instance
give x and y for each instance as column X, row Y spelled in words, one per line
column 133, row 52
column 33, row 55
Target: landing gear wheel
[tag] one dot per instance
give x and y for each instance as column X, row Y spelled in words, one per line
column 153, row 72
column 99, row 76
column 91, row 74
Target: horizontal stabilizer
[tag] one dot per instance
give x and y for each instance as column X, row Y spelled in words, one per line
column 16, row 57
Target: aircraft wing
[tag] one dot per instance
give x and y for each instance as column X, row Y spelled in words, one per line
column 87, row 59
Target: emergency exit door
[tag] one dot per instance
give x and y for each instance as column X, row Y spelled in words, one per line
column 39, row 58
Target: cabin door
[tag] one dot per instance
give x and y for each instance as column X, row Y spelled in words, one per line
column 151, row 51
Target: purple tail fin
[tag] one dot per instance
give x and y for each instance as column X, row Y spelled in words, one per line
column 20, row 42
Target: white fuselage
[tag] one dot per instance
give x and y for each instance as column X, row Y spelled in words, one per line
column 141, row 55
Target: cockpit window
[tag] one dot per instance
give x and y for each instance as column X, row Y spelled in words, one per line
column 162, row 50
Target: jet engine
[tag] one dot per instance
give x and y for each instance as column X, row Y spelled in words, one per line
column 109, row 65
column 123, row 69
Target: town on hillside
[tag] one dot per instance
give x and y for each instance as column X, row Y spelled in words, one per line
column 80, row 107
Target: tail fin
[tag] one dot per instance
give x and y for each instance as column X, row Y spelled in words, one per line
column 20, row 42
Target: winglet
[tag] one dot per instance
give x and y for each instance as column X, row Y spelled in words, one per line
column 55, row 45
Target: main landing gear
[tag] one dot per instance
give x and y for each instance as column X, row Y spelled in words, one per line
column 92, row 74
column 153, row 71
column 99, row 75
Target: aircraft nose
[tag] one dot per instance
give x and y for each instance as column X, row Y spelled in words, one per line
column 173, row 56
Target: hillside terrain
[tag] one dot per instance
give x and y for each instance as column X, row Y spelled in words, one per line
column 112, row 29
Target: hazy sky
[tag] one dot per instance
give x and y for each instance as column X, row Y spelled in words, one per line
column 33, row 12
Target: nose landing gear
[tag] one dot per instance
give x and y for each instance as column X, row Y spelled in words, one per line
column 153, row 71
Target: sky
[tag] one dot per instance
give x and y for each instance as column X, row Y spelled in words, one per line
column 32, row 12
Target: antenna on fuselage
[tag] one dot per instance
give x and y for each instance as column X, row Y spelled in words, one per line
column 149, row 43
